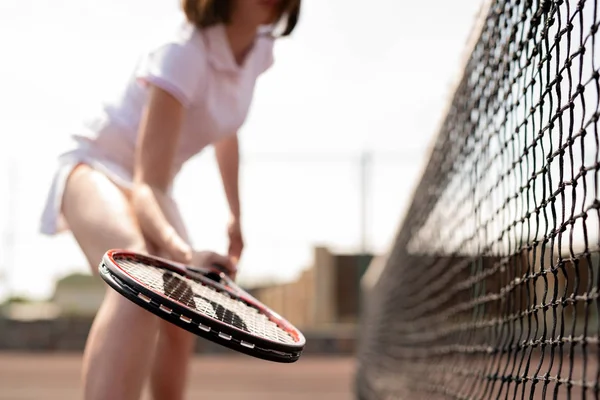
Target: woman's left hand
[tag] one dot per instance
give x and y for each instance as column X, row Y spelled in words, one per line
column 236, row 241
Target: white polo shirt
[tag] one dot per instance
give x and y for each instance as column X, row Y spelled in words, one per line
column 199, row 69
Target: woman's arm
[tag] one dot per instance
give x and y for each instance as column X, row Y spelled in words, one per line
column 156, row 211
column 228, row 159
column 157, row 143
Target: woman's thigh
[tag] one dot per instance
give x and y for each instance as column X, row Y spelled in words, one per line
column 99, row 215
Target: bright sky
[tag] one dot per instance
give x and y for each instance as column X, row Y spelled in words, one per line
column 355, row 76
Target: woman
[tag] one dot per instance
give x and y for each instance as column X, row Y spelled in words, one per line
column 113, row 187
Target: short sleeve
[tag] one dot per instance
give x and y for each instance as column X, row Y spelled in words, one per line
column 176, row 68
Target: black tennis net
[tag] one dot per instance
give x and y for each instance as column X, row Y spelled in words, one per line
column 491, row 287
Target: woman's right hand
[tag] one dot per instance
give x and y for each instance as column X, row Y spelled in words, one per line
column 154, row 210
column 176, row 248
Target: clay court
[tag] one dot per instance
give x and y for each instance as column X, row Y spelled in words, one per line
column 50, row 377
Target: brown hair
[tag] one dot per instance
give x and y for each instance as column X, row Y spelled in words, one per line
column 205, row 13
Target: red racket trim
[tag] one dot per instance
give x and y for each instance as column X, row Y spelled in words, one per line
column 167, row 265
column 269, row 354
column 239, row 294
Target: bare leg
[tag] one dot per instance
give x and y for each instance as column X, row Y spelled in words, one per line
column 170, row 367
column 120, row 343
column 118, row 350
column 174, row 349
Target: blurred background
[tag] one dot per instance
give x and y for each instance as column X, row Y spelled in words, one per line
column 334, row 144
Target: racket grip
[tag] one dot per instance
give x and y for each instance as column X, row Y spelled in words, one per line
column 220, row 268
column 217, row 276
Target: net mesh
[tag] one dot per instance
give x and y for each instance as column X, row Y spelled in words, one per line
column 491, row 287
column 204, row 300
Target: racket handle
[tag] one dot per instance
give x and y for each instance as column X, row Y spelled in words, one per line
column 216, row 276
column 221, row 268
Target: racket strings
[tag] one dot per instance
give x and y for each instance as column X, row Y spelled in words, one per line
column 204, row 300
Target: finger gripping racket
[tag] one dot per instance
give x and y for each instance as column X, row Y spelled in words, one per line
column 203, row 301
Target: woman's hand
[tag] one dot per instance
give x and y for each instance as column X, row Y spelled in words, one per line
column 154, row 211
column 209, row 258
column 236, row 241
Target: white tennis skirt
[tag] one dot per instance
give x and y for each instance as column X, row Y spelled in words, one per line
column 52, row 220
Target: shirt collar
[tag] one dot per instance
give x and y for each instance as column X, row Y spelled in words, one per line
column 219, row 52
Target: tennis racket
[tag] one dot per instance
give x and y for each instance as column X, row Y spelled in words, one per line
column 203, row 301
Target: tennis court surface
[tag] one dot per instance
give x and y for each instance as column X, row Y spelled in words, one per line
column 50, row 377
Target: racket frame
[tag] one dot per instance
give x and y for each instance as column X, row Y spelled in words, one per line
column 199, row 324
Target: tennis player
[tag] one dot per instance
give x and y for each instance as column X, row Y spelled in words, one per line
column 113, row 186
